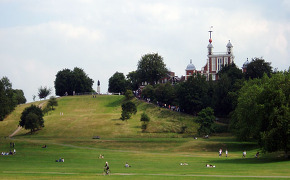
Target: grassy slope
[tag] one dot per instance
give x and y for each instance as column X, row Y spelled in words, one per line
column 85, row 117
column 70, row 136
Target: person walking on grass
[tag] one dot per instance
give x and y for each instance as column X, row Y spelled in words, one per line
column 106, row 168
column 226, row 153
column 244, row 153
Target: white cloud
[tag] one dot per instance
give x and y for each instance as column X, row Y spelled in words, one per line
column 102, row 37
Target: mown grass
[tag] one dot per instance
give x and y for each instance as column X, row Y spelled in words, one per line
column 156, row 154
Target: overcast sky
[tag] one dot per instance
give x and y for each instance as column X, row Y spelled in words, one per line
column 40, row 38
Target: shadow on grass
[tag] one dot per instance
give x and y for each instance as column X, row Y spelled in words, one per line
column 117, row 120
column 116, row 103
column 231, row 146
column 247, row 160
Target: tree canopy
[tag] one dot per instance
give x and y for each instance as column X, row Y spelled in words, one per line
column 264, row 105
column 230, row 81
column 9, row 98
column 128, row 108
column 32, row 118
column 257, row 67
column 43, row 92
column 69, row 81
column 151, row 68
column 117, row 83
column 205, row 118
column 52, row 102
column 193, row 94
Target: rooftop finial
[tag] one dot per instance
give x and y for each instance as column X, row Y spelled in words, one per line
column 210, row 31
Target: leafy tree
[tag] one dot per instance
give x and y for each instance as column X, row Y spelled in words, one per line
column 165, row 93
column 230, row 81
column 232, row 71
column 129, row 95
column 43, row 92
column 262, row 112
column 117, row 83
column 82, row 83
column 257, row 67
column 205, row 118
column 8, row 98
column 151, row 68
column 52, row 102
column 248, row 112
column 19, row 95
column 133, row 80
column 145, row 119
column 193, row 94
column 148, row 92
column 69, row 81
column 32, row 118
column 64, row 82
column 128, row 108
column 33, row 97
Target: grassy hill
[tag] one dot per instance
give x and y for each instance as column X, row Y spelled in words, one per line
column 156, row 154
column 85, row 117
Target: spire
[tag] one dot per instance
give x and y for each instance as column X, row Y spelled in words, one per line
column 210, row 46
column 210, row 31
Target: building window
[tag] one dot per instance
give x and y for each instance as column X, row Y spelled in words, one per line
column 213, row 64
column 220, row 63
column 213, row 77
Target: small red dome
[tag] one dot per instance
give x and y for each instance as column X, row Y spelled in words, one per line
column 210, row 40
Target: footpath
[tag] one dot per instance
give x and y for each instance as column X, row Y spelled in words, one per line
column 19, row 127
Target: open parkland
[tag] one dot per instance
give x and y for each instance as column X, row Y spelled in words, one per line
column 159, row 153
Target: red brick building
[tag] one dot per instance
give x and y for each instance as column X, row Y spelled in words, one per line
column 215, row 61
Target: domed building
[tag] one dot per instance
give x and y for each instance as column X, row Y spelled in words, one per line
column 190, row 70
column 245, row 65
column 216, row 61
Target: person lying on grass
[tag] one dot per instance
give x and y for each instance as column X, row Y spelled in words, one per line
column 127, row 165
column 209, row 165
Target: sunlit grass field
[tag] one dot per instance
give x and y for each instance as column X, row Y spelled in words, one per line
column 155, row 154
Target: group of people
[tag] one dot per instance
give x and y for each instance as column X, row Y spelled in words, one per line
column 107, row 168
column 12, row 145
column 221, row 151
column 243, row 156
column 60, row 160
column 183, row 164
column 8, row 153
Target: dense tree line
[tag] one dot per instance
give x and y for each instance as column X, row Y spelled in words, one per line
column 150, row 70
column 9, row 98
column 68, row 81
column 259, row 98
column 263, row 112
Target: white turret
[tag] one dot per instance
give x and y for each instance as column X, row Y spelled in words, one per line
column 229, row 47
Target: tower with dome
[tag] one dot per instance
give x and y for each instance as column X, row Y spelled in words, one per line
column 214, row 63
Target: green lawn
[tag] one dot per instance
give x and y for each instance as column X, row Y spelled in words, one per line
column 156, row 154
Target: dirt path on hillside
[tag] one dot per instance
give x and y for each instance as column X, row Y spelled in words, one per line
column 19, row 127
